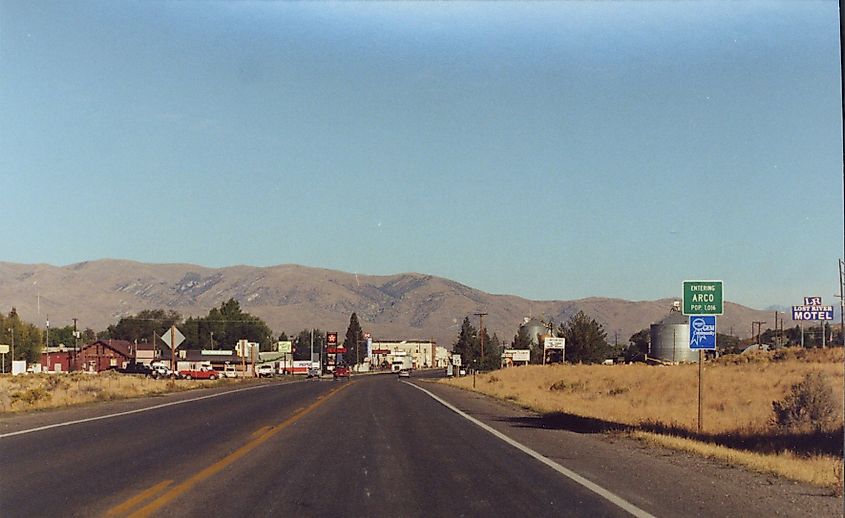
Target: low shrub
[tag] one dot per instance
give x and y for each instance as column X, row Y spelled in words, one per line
column 810, row 405
column 30, row 396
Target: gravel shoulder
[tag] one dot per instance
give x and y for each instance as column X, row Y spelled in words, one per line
column 662, row 481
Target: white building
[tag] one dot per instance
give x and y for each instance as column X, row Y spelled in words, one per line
column 424, row 353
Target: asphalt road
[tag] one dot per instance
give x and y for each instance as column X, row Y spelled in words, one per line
column 373, row 446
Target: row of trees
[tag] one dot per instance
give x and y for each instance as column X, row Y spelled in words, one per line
column 586, row 342
column 223, row 326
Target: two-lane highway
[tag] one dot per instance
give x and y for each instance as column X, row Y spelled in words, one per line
column 372, row 446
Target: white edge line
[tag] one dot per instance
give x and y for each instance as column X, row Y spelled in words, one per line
column 137, row 410
column 595, row 488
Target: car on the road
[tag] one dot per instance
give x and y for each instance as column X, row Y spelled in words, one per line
column 265, row 370
column 312, row 373
column 341, row 371
column 404, row 373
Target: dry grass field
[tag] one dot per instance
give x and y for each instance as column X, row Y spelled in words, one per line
column 660, row 404
column 41, row 391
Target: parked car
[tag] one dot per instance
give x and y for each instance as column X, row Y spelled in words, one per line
column 229, row 371
column 341, row 371
column 313, row 373
column 265, row 370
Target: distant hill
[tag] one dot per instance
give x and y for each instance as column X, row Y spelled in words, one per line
column 291, row 298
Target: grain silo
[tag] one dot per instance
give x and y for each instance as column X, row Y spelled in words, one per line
column 535, row 328
column 670, row 339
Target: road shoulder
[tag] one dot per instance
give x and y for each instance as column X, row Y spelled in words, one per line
column 662, row 481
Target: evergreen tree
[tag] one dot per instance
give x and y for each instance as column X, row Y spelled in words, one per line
column 586, row 340
column 492, row 352
column 353, row 341
column 521, row 339
column 302, row 343
column 467, row 342
column 638, row 345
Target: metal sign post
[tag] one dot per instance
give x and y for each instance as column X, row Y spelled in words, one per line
column 702, row 336
column 173, row 339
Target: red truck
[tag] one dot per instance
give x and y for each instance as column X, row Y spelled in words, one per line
column 204, row 372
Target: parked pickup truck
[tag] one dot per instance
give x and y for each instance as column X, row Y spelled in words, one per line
column 202, row 373
column 136, row 368
column 162, row 370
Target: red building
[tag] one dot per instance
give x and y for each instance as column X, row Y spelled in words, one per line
column 104, row 354
column 57, row 359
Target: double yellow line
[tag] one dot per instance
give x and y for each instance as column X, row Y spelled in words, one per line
column 129, row 507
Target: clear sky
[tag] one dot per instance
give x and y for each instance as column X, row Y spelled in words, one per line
column 548, row 150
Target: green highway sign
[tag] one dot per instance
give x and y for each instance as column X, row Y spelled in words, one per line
column 703, row 298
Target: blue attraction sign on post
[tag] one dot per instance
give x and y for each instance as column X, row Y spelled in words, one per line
column 702, row 332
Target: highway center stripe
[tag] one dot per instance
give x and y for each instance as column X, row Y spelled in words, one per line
column 595, row 488
column 137, row 410
column 216, row 467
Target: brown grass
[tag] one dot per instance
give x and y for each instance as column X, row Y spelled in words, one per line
column 737, row 400
column 42, row 391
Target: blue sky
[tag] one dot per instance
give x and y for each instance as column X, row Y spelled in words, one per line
column 548, row 150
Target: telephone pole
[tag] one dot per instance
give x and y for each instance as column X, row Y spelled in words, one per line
column 759, row 324
column 480, row 316
column 841, row 297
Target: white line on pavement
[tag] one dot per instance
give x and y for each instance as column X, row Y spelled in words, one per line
column 595, row 488
column 109, row 416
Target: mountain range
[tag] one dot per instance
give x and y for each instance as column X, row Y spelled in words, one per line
column 293, row 297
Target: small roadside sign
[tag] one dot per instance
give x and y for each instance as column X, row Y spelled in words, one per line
column 702, row 332
column 456, row 360
column 553, row 342
column 174, row 333
column 4, row 348
column 703, row 298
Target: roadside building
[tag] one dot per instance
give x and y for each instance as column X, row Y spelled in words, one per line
column 424, row 353
column 57, row 359
column 103, row 355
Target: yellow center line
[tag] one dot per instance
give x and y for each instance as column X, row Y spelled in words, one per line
column 124, row 508
column 180, row 489
column 261, row 430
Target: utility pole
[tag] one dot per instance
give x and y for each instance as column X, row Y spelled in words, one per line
column 47, row 349
column 777, row 340
column 759, row 324
column 75, row 344
column 480, row 316
column 841, row 297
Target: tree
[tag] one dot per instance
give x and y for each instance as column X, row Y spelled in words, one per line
column 467, row 342
column 492, row 352
column 637, row 345
column 27, row 338
column 302, row 343
column 586, row 340
column 728, row 344
column 353, row 341
column 140, row 328
column 521, row 339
